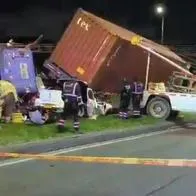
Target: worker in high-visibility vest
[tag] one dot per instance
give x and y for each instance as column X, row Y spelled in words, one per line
column 125, row 97
column 72, row 98
column 137, row 89
column 8, row 99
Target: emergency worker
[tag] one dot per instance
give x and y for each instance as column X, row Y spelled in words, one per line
column 137, row 89
column 125, row 97
column 8, row 99
column 72, row 98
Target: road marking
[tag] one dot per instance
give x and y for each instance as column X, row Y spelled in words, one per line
column 108, row 160
column 83, row 147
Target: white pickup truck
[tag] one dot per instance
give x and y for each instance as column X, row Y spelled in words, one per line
column 161, row 105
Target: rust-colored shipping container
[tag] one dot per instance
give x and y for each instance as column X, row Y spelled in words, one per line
column 102, row 54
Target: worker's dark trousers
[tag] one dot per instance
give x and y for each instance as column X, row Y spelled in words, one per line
column 8, row 106
column 136, row 100
column 70, row 108
column 123, row 110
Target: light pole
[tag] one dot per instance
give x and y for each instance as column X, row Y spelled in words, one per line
column 160, row 10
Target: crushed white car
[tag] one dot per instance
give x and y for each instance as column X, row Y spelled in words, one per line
column 51, row 100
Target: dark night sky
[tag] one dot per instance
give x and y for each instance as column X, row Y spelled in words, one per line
column 50, row 17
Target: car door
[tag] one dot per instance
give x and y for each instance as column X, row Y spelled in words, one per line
column 91, row 102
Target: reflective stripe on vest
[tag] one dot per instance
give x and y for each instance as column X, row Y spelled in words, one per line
column 73, row 94
column 136, row 89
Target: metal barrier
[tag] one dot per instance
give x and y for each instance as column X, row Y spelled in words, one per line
column 41, row 48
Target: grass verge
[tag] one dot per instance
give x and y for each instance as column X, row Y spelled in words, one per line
column 20, row 133
column 186, row 116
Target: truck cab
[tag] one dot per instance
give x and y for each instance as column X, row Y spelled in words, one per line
column 17, row 67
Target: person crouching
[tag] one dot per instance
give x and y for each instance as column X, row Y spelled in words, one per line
column 37, row 116
column 8, row 100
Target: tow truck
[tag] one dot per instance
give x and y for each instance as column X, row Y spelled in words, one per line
column 179, row 96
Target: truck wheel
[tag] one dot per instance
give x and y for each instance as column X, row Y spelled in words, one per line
column 158, row 108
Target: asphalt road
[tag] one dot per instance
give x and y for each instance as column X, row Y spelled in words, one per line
column 44, row 178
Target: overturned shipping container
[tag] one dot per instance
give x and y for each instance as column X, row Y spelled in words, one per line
column 102, row 54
